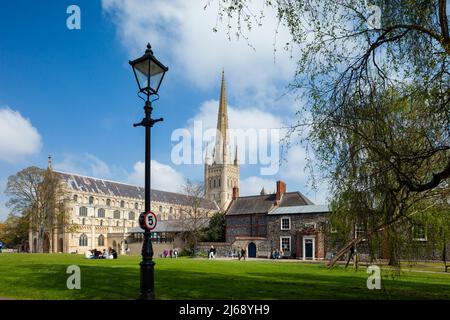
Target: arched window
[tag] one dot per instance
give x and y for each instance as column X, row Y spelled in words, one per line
column 131, row 215
column 75, row 198
column 116, row 214
column 118, row 224
column 101, row 223
column 108, row 202
column 136, row 205
column 122, row 204
column 83, row 221
column 101, row 240
column 91, row 200
column 214, row 183
column 83, row 212
column 101, row 213
column 171, row 210
column 83, row 240
column 219, row 182
column 160, row 209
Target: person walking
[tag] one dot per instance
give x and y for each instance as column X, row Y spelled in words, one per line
column 242, row 254
column 211, row 253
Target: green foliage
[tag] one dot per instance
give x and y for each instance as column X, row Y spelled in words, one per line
column 216, row 230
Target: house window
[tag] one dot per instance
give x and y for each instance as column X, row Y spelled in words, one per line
column 310, row 225
column 83, row 211
column 101, row 240
column 83, row 240
column 108, row 202
column 359, row 230
column 285, row 243
column 116, row 214
column 101, row 213
column 131, row 215
column 285, row 223
column 419, row 232
column 91, row 200
column 122, row 204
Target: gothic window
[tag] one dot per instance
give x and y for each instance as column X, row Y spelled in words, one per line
column 116, row 214
column 122, row 204
column 171, row 210
column 108, row 202
column 101, row 240
column 75, row 198
column 131, row 215
column 214, row 183
column 83, row 211
column 219, row 182
column 160, row 209
column 101, row 213
column 136, row 205
column 91, row 200
column 210, row 183
column 83, row 222
column 118, row 224
column 83, row 240
column 101, row 223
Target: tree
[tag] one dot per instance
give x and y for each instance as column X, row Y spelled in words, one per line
column 194, row 217
column 39, row 197
column 374, row 79
column 14, row 231
column 216, row 229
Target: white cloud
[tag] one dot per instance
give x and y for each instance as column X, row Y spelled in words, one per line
column 18, row 137
column 163, row 177
column 253, row 185
column 181, row 33
column 87, row 164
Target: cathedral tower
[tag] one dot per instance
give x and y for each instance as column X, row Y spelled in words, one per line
column 221, row 173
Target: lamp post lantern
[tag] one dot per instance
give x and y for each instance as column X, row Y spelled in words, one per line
column 149, row 73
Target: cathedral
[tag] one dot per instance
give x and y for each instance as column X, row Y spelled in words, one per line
column 104, row 213
column 221, row 171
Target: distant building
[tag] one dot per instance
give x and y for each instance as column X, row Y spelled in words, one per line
column 221, row 172
column 283, row 221
column 102, row 212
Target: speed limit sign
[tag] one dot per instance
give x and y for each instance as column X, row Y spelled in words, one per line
column 147, row 220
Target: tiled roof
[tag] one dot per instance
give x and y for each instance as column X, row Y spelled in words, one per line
column 116, row 189
column 251, row 204
column 265, row 203
column 301, row 209
column 172, row 226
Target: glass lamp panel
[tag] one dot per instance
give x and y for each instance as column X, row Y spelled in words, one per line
column 156, row 73
column 141, row 70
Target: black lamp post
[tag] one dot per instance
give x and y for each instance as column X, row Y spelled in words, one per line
column 149, row 73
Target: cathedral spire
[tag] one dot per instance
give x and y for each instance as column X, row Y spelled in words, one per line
column 221, row 151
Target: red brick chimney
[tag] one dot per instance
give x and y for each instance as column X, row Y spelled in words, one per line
column 281, row 188
column 235, row 193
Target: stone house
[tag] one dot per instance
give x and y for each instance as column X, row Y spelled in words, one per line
column 285, row 221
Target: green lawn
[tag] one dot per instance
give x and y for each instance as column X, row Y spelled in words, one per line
column 43, row 276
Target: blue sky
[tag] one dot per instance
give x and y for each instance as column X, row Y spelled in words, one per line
column 72, row 94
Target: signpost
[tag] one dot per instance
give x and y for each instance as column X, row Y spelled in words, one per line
column 147, row 220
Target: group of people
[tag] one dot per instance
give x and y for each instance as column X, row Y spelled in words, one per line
column 105, row 254
column 170, row 253
column 277, row 254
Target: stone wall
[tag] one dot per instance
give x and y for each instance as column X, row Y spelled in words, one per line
column 245, row 225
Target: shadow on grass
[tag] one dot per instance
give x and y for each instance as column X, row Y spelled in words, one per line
column 121, row 281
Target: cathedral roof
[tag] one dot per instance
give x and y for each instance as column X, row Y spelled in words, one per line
column 266, row 203
column 117, row 189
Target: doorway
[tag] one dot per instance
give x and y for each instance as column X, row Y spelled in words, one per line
column 309, row 248
column 251, row 250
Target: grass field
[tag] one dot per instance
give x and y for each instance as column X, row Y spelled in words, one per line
column 43, row 276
